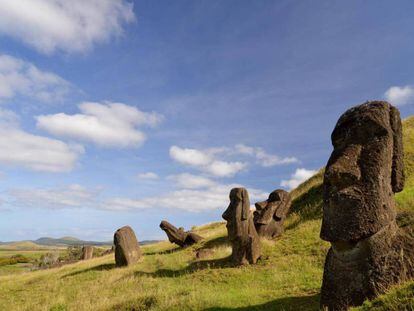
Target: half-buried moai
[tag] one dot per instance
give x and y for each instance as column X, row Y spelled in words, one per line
column 179, row 236
column 127, row 251
column 368, row 251
column 87, row 252
column 271, row 213
column 242, row 234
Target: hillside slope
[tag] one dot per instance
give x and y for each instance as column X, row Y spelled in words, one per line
column 287, row 278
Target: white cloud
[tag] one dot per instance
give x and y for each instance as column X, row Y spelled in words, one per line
column 300, row 175
column 148, row 176
column 400, row 95
column 190, row 181
column 18, row 77
column 72, row 196
column 262, row 157
column 106, row 124
column 205, row 161
column 69, row 26
column 20, row 148
column 193, row 200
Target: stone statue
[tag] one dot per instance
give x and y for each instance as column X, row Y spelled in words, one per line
column 240, row 228
column 179, row 236
column 127, row 251
column 87, row 252
column 271, row 213
column 368, row 251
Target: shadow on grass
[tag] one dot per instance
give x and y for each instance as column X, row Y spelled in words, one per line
column 168, row 251
column 103, row 267
column 193, row 267
column 286, row 303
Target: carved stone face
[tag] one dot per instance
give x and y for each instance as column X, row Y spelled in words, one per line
column 172, row 232
column 237, row 213
column 273, row 209
column 363, row 172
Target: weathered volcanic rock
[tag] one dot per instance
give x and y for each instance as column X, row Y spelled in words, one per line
column 271, row 213
column 87, row 252
column 240, row 228
column 369, row 252
column 127, row 249
column 179, row 236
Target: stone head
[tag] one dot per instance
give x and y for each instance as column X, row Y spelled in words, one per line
column 237, row 213
column 364, row 171
column 274, row 208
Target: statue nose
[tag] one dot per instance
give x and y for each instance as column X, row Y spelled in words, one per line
column 344, row 168
column 260, row 205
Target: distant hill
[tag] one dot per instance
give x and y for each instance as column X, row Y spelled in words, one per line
column 67, row 241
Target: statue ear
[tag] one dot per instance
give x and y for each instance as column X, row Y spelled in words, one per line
column 245, row 205
column 397, row 174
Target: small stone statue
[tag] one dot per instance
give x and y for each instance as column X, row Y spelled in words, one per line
column 179, row 236
column 271, row 213
column 240, row 227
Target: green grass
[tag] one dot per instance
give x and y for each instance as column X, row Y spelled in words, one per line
column 288, row 277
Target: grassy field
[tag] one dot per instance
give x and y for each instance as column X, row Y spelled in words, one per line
column 287, row 278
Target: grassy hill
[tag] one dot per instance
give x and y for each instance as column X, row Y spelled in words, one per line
column 287, row 278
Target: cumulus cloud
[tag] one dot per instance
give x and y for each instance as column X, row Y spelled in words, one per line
column 205, row 161
column 71, row 196
column 192, row 200
column 18, row 77
column 148, row 176
column 400, row 95
column 262, row 157
column 106, row 124
column 191, row 181
column 69, row 26
column 20, row 148
column 300, row 175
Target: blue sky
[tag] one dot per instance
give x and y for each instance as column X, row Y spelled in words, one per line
column 117, row 112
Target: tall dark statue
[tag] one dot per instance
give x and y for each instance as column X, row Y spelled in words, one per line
column 240, row 228
column 127, row 251
column 368, row 251
column 271, row 213
column 179, row 236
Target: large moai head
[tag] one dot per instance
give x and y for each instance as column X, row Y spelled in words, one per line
column 363, row 173
column 270, row 214
column 237, row 213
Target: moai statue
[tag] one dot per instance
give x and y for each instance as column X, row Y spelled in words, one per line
column 240, row 228
column 179, row 236
column 271, row 213
column 87, row 252
column 127, row 251
column 368, row 251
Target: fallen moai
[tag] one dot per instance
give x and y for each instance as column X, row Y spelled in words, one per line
column 240, row 228
column 369, row 252
column 179, row 236
column 271, row 213
column 127, row 249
